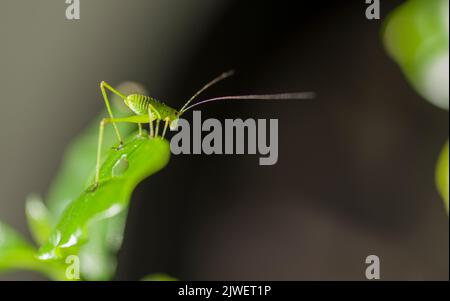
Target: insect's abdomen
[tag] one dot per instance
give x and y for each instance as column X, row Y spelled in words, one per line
column 140, row 104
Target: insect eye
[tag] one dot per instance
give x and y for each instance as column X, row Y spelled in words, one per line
column 174, row 124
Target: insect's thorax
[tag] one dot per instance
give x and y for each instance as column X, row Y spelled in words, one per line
column 140, row 105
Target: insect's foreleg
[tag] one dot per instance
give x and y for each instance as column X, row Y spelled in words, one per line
column 165, row 127
column 157, row 128
column 140, row 129
column 150, row 120
column 104, row 85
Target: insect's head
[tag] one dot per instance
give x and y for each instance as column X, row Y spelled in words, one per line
column 175, row 119
column 174, row 124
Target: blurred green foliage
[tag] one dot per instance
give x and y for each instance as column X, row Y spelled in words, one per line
column 18, row 254
column 38, row 219
column 416, row 35
column 442, row 175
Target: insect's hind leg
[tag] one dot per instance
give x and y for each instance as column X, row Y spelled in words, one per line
column 104, row 85
column 99, row 151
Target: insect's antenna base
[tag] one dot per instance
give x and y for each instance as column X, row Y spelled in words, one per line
column 214, row 81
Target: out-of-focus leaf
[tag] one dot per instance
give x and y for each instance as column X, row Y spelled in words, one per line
column 159, row 277
column 122, row 170
column 17, row 254
column 442, row 175
column 38, row 219
column 97, row 256
column 416, row 35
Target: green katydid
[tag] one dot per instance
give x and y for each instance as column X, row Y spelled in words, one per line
column 149, row 110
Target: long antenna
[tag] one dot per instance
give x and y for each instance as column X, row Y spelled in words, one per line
column 214, row 81
column 285, row 96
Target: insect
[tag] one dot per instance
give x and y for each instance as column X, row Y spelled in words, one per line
column 149, row 110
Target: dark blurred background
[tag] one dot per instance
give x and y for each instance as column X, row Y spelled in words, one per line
column 355, row 174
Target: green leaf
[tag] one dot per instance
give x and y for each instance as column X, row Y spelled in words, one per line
column 442, row 175
column 143, row 157
column 17, row 254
